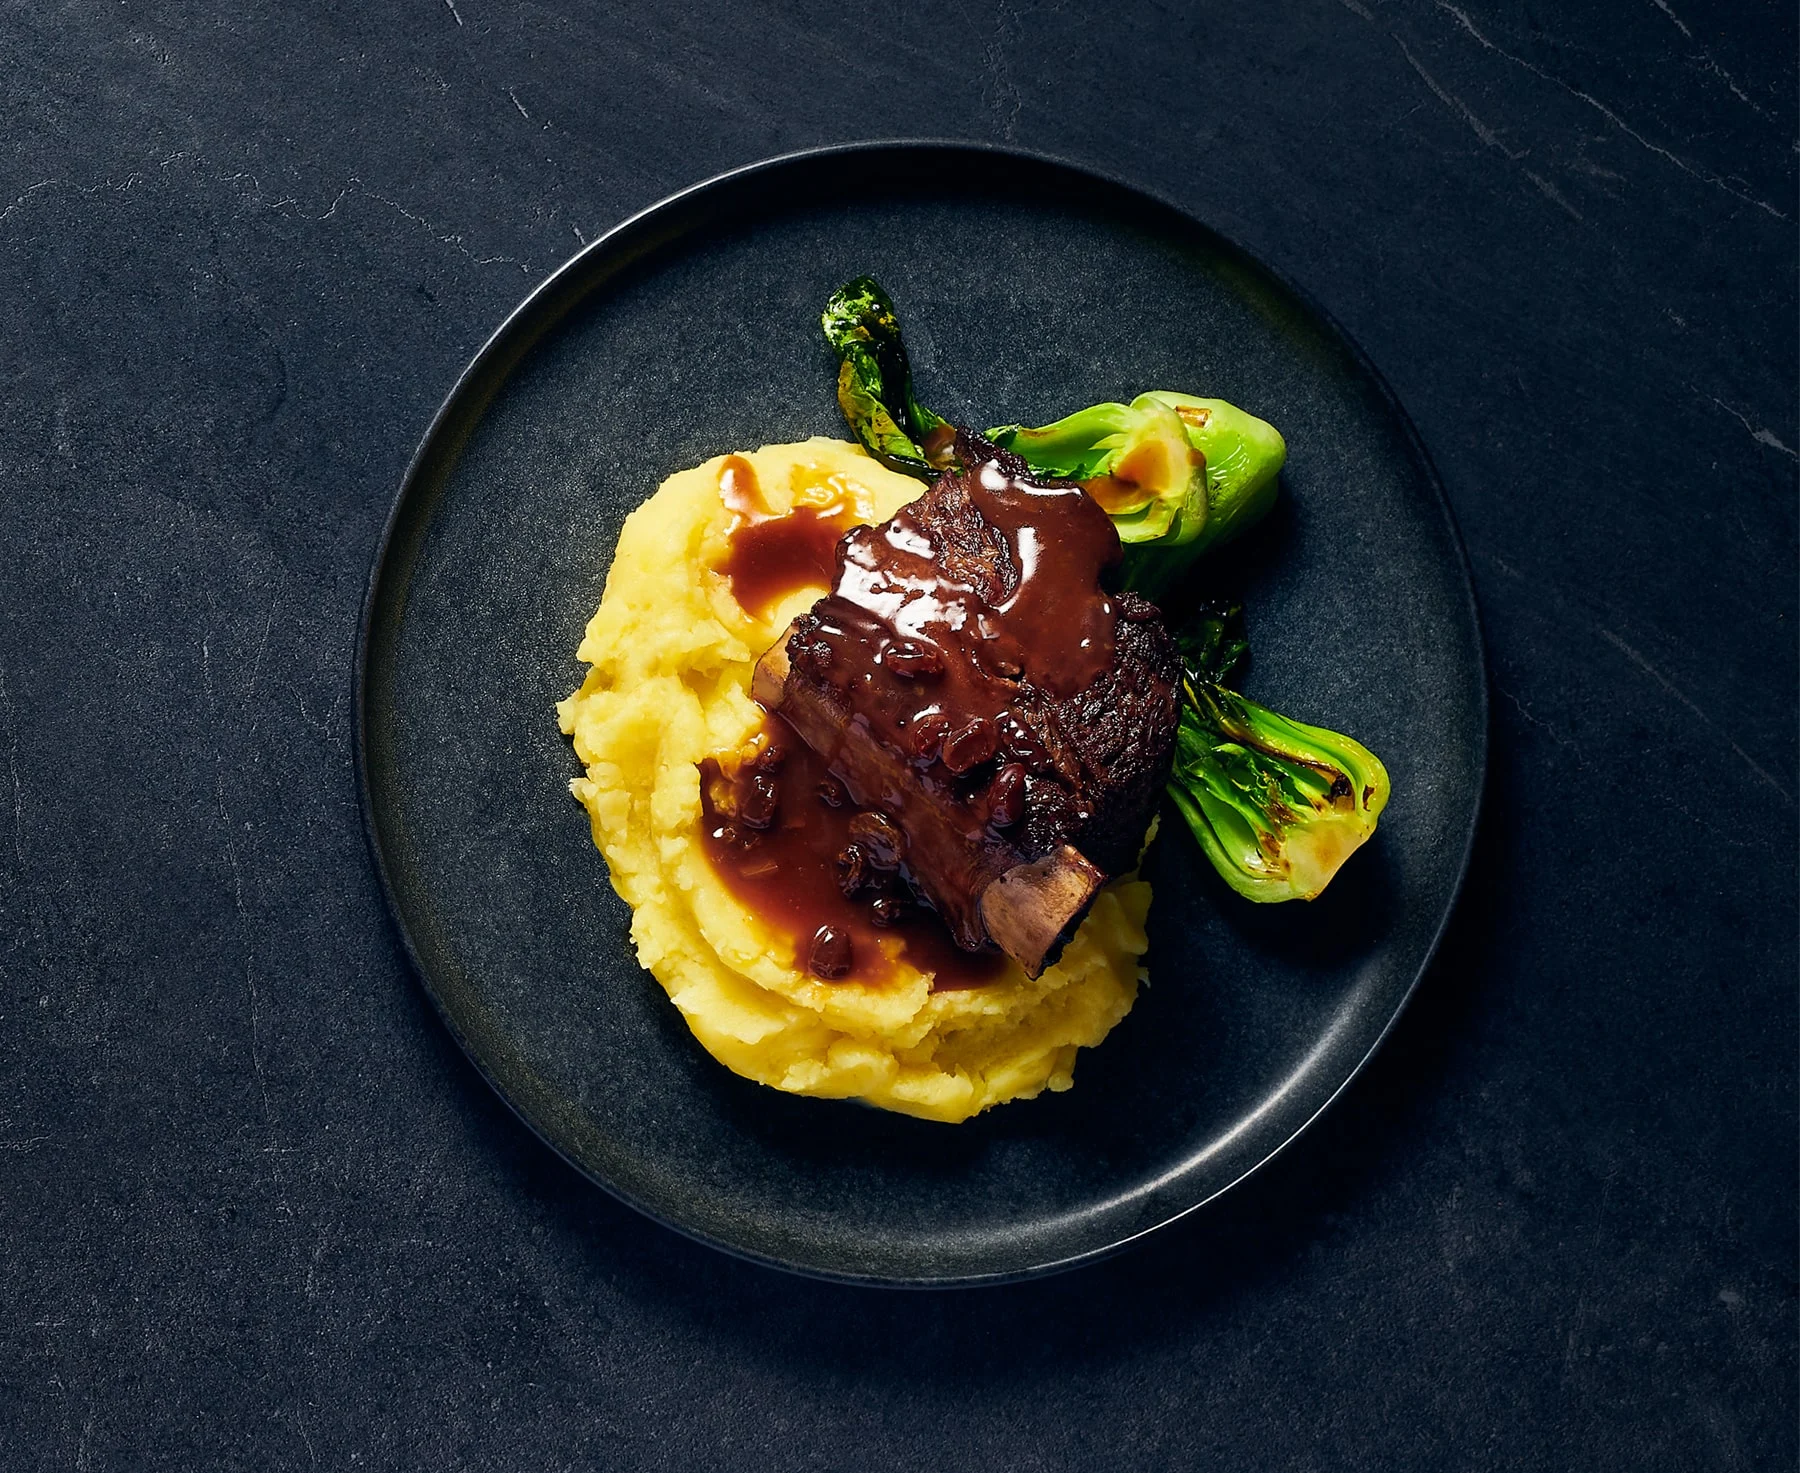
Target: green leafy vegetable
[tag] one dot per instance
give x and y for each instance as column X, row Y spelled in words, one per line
column 1178, row 474
column 875, row 380
column 1212, row 643
column 1277, row 805
column 1136, row 459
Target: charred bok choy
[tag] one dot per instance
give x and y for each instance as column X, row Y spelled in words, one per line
column 1276, row 805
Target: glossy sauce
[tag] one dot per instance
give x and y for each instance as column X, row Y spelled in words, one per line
column 771, row 555
column 769, row 835
column 770, row 559
column 787, row 871
column 1042, row 617
column 924, row 651
column 939, row 445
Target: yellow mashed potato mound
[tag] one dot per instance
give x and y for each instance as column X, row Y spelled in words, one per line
column 671, row 654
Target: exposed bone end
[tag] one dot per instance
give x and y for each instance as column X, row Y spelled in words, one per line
column 768, row 683
column 1029, row 912
column 1032, row 909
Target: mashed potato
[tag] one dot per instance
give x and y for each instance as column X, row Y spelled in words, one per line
column 671, row 654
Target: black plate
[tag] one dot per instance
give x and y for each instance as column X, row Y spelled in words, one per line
column 1028, row 289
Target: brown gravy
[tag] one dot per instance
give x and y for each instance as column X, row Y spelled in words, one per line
column 769, row 835
column 770, row 559
column 1041, row 615
column 771, row 555
column 944, row 623
column 787, row 872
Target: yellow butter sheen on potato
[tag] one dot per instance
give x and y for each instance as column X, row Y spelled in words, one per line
column 671, row 655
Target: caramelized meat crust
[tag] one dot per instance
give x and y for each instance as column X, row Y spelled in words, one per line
column 971, row 679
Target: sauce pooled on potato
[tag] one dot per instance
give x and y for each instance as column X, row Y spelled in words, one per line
column 780, row 830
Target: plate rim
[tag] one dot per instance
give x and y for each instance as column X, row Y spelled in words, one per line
column 639, row 236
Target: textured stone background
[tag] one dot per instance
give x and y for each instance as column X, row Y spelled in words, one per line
column 258, row 1212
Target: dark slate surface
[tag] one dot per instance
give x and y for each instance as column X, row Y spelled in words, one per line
column 258, row 1211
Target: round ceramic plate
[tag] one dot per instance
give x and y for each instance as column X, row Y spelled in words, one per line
column 1028, row 289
